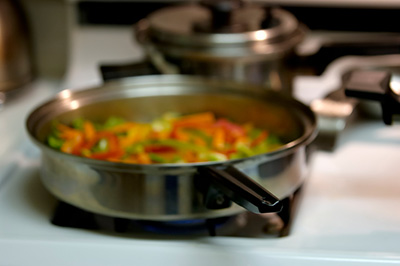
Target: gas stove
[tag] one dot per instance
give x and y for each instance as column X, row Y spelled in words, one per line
column 346, row 214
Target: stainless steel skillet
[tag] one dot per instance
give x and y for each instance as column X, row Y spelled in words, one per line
column 176, row 191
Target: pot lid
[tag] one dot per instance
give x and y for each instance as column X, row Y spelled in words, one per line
column 221, row 22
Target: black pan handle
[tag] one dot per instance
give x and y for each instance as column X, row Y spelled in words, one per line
column 375, row 85
column 241, row 189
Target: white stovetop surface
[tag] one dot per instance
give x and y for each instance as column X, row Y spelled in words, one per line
column 348, row 215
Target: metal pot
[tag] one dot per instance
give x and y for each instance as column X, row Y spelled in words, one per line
column 223, row 39
column 176, row 191
column 15, row 57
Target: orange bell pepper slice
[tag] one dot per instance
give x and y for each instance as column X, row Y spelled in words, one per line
column 219, row 136
column 195, row 119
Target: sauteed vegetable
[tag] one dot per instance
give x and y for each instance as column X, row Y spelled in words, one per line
column 171, row 138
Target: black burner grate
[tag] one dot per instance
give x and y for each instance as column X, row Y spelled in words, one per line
column 245, row 225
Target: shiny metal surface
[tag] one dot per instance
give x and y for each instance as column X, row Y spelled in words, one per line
column 333, row 112
column 169, row 191
column 258, row 55
column 15, row 60
column 176, row 25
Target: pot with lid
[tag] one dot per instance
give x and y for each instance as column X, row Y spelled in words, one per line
column 223, row 39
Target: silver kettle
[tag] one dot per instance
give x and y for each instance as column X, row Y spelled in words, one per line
column 15, row 55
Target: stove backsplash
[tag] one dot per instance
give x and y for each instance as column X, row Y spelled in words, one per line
column 316, row 16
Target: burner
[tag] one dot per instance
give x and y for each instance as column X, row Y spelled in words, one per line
column 185, row 227
column 245, row 224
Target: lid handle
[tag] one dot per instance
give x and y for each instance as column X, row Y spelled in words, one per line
column 222, row 17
